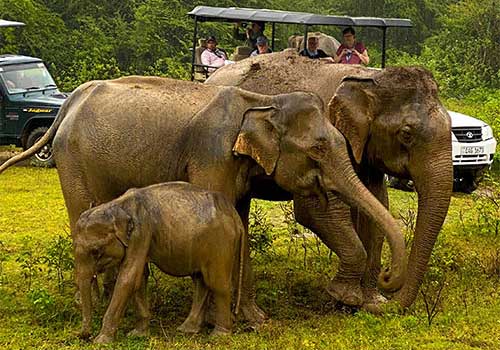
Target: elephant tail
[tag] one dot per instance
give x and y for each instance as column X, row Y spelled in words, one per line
column 243, row 242
column 49, row 135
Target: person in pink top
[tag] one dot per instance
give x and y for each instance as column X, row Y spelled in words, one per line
column 213, row 56
column 351, row 52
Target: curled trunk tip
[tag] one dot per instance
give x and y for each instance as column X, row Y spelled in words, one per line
column 392, row 280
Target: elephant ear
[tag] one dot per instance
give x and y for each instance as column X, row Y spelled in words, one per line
column 351, row 111
column 122, row 224
column 259, row 137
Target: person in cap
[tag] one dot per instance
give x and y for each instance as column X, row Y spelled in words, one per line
column 212, row 56
column 351, row 52
column 312, row 49
column 262, row 47
column 251, row 34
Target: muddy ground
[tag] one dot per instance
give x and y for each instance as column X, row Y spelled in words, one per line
column 11, row 152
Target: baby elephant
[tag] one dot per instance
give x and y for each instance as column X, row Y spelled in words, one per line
column 182, row 229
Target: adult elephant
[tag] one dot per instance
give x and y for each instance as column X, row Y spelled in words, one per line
column 110, row 136
column 327, row 43
column 395, row 124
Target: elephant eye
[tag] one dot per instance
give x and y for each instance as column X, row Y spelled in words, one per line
column 319, row 149
column 405, row 135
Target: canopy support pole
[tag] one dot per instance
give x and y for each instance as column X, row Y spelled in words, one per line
column 384, row 32
column 272, row 37
column 306, row 29
column 193, row 53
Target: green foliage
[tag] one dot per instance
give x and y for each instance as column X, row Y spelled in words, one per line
column 42, row 304
column 30, row 262
column 59, row 259
column 260, row 235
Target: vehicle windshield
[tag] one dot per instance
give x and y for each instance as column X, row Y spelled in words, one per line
column 26, row 77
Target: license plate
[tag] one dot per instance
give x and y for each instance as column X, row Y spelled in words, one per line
column 472, row 150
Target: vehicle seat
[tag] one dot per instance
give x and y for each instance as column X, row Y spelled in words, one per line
column 200, row 73
column 241, row 52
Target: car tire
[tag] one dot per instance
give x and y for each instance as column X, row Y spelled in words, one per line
column 45, row 157
column 466, row 184
column 401, row 184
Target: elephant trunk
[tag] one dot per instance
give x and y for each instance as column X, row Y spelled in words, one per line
column 434, row 187
column 84, row 279
column 351, row 189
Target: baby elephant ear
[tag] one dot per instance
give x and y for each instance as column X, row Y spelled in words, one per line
column 122, row 224
column 259, row 138
column 351, row 111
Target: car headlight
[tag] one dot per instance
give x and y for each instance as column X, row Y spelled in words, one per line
column 487, row 132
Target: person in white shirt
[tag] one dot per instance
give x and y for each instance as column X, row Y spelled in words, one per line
column 213, row 56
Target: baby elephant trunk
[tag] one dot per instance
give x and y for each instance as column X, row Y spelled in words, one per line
column 84, row 276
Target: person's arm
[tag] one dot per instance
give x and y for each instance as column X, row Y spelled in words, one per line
column 362, row 54
column 206, row 58
column 364, row 57
column 340, row 53
column 322, row 54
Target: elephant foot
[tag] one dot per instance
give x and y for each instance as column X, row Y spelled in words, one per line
column 85, row 335
column 103, row 339
column 253, row 314
column 220, row 331
column 374, row 301
column 189, row 327
column 138, row 332
column 347, row 293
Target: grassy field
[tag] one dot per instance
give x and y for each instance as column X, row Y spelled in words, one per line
column 461, row 291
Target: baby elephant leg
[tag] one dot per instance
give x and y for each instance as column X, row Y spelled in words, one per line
column 129, row 281
column 142, row 308
column 194, row 321
column 218, row 281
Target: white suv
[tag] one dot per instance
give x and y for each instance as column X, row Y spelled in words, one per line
column 473, row 148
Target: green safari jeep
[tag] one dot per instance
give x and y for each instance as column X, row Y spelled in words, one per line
column 29, row 102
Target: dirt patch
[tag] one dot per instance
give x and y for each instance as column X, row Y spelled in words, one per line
column 6, row 154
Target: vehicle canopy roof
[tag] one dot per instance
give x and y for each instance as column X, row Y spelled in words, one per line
column 238, row 14
column 4, row 23
column 8, row 59
column 235, row 14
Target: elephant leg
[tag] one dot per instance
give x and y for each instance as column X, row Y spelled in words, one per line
column 334, row 227
column 194, row 321
column 249, row 310
column 217, row 278
column 373, row 239
column 142, row 308
column 77, row 199
column 128, row 282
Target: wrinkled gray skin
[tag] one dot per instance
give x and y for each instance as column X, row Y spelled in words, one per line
column 395, row 124
column 110, row 136
column 182, row 229
column 327, row 43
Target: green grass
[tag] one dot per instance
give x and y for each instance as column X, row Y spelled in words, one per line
column 37, row 311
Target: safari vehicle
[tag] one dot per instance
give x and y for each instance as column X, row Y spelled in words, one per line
column 473, row 150
column 29, row 102
column 473, row 147
column 273, row 17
